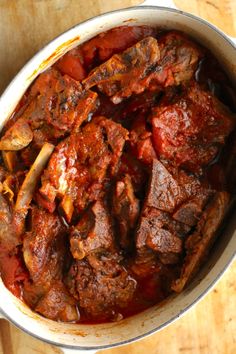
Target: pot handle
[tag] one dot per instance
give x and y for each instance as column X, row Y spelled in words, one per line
column 76, row 351
column 162, row 3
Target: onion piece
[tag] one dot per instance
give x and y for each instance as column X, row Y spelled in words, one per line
column 6, row 188
column 67, row 207
column 10, row 160
column 17, row 137
column 27, row 189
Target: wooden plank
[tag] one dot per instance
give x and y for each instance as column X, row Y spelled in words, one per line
column 221, row 13
column 27, row 25
column 13, row 341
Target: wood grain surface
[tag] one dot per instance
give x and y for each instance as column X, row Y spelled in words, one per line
column 27, row 25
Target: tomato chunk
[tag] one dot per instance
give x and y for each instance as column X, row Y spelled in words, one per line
column 71, row 64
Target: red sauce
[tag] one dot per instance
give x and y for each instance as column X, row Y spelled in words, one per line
column 13, row 271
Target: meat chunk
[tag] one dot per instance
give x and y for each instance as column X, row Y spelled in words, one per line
column 78, row 166
column 135, row 169
column 101, row 285
column 154, row 278
column 179, row 57
column 170, row 61
column 58, row 304
column 11, row 224
column 189, row 182
column 189, row 212
column 56, row 105
column 59, row 177
column 123, row 73
column 45, row 254
column 169, row 258
column 33, row 292
column 158, row 232
column 93, row 232
column 61, row 104
column 17, row 137
column 44, row 247
column 115, row 136
column 145, row 263
column 8, row 237
column 163, row 241
column 110, row 139
column 198, row 244
column 125, row 208
column 190, row 131
column 164, row 192
column 141, row 141
column 173, row 204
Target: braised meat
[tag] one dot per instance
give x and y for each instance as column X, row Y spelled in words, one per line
column 94, row 231
column 153, row 232
column 164, row 192
column 56, row 105
column 62, row 104
column 168, row 189
column 124, row 73
column 125, row 208
column 58, row 304
column 78, row 167
column 12, row 269
column 170, row 61
column 135, row 169
column 154, row 277
column 179, row 57
column 191, row 130
column 158, row 232
column 101, row 285
column 45, row 254
column 59, row 177
column 173, row 205
column 190, row 211
column 115, row 175
column 198, row 244
column 12, row 222
column 44, row 247
column 145, row 263
column 115, row 136
column 141, row 141
column 7, row 234
column 17, row 137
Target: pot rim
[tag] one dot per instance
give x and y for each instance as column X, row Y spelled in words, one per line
column 229, row 261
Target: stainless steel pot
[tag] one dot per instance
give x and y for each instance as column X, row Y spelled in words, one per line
column 90, row 338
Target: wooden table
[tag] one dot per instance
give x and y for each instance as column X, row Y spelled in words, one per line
column 25, row 26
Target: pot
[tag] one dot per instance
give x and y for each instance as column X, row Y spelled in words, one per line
column 91, row 338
